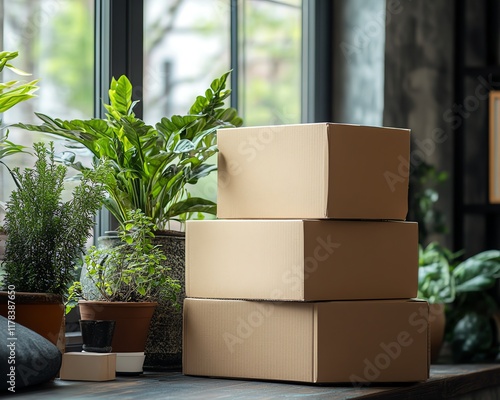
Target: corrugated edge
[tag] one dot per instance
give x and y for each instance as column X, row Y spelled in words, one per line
column 187, row 281
column 184, row 348
column 315, row 344
column 326, row 162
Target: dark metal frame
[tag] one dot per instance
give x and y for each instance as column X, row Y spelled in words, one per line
column 118, row 51
column 491, row 212
column 317, row 59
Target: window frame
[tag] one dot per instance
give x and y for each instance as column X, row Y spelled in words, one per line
column 119, row 50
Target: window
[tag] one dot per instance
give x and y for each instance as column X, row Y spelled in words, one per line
column 269, row 61
column 186, row 45
column 55, row 40
column 183, row 45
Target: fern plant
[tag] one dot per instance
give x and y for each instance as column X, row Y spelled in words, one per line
column 46, row 235
column 152, row 166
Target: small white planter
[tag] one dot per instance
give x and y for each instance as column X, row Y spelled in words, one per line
column 129, row 363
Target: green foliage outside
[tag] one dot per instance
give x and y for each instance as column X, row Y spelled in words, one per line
column 71, row 63
column 271, row 86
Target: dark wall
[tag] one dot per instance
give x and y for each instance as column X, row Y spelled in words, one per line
column 418, row 89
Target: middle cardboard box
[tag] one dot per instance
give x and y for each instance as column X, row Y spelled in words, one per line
column 301, row 260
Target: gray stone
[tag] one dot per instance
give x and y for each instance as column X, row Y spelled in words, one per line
column 35, row 360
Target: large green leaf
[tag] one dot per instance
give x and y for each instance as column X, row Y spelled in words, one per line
column 435, row 283
column 478, row 272
column 14, row 92
column 192, row 204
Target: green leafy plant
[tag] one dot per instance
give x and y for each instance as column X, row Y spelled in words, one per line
column 132, row 271
column 46, row 235
column 463, row 287
column 152, row 165
column 11, row 93
column 435, row 281
column 469, row 319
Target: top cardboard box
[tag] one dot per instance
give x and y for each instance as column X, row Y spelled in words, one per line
column 315, row 171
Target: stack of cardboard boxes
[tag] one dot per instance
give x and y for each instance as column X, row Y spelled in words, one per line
column 310, row 272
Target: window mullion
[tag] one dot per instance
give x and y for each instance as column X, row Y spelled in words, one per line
column 118, row 51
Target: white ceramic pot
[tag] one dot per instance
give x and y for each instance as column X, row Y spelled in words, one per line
column 129, row 363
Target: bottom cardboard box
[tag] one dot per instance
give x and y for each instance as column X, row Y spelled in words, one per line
column 88, row 366
column 356, row 342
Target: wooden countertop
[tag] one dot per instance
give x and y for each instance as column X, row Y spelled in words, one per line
column 446, row 381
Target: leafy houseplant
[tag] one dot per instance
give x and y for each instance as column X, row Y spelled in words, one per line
column 435, row 280
column 130, row 279
column 47, row 235
column 133, row 271
column 463, row 287
column 435, row 284
column 152, row 165
column 470, row 330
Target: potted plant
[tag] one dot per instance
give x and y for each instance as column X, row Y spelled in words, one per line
column 436, row 285
column 473, row 327
column 46, row 237
column 153, row 167
column 11, row 93
column 460, row 303
column 129, row 280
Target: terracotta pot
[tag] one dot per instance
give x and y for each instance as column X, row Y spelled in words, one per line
column 40, row 312
column 164, row 344
column 437, row 323
column 132, row 321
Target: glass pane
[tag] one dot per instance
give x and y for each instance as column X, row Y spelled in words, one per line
column 55, row 41
column 186, row 46
column 270, row 62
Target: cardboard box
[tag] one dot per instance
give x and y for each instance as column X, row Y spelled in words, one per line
column 81, row 366
column 354, row 342
column 301, row 259
column 313, row 171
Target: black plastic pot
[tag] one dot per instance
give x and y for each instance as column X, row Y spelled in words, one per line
column 97, row 335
